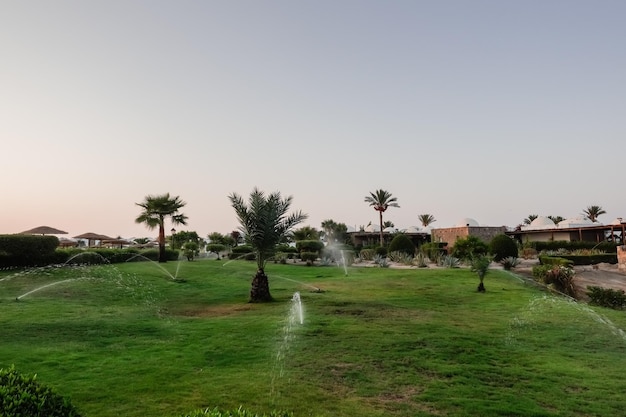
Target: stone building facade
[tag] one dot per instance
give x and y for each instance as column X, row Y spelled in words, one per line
column 621, row 259
column 450, row 235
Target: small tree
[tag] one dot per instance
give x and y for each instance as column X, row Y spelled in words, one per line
column 190, row 250
column 502, row 246
column 469, row 247
column 264, row 222
column 215, row 248
column 480, row 265
column 402, row 243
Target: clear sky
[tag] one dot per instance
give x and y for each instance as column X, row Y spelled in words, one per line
column 492, row 110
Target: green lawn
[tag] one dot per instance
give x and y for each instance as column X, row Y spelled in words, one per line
column 127, row 340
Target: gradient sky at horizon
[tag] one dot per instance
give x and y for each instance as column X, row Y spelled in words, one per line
column 485, row 109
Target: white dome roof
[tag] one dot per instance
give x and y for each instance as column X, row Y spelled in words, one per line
column 576, row 222
column 539, row 223
column 466, row 222
column 372, row 228
column 413, row 229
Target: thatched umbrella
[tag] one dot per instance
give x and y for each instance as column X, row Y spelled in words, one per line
column 44, row 230
column 92, row 237
column 114, row 242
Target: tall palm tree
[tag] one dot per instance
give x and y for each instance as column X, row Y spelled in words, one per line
column 426, row 219
column 264, row 222
column 381, row 200
column 592, row 212
column 156, row 208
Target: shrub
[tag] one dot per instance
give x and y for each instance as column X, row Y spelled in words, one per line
column 502, row 246
column 308, row 257
column 309, row 246
column 400, row 257
column 469, row 248
column 402, row 243
column 367, row 254
column 607, row 297
column 420, row 260
column 449, row 261
column 27, row 250
column 509, row 262
column 381, row 261
column 559, row 277
column 23, row 396
column 381, row 250
column 480, row 265
column 433, row 250
column 555, row 260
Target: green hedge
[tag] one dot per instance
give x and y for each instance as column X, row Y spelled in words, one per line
column 610, row 258
column 27, row 250
column 555, row 260
column 609, row 247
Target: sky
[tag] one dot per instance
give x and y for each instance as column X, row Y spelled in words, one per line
column 487, row 109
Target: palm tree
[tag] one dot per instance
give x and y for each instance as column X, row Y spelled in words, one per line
column 530, row 218
column 264, row 222
column 381, row 200
column 155, row 209
column 426, row 219
column 556, row 219
column 592, row 212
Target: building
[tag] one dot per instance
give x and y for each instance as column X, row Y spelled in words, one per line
column 464, row 228
column 543, row 229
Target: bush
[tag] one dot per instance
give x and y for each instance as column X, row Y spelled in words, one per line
column 27, row 250
column 400, row 257
column 381, row 250
column 308, row 257
column 24, row 396
column 607, row 297
column 402, row 243
column 509, row 262
column 309, row 246
column 555, row 260
column 559, row 277
column 502, row 246
column 608, row 247
column 468, row 248
column 433, row 250
column 367, row 254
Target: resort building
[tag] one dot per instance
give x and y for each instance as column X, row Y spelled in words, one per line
column 543, row 229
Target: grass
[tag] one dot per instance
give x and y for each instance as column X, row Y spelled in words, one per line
column 127, row 340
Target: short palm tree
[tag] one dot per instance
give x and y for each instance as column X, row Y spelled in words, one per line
column 264, row 223
column 156, row 208
column 592, row 212
column 381, row 200
column 530, row 218
column 480, row 265
column 426, row 219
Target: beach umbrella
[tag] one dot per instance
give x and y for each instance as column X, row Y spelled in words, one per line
column 90, row 237
column 44, row 230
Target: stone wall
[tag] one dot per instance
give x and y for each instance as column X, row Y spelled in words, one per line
column 452, row 234
column 621, row 259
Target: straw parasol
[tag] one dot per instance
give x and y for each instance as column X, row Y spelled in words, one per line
column 44, row 230
column 90, row 237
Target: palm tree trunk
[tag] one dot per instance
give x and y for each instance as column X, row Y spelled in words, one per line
column 382, row 240
column 260, row 291
column 162, row 257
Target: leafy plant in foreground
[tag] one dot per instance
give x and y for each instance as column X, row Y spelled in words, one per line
column 22, row 395
column 480, row 265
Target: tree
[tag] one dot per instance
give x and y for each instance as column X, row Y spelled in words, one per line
column 264, row 222
column 156, row 208
column 180, row 238
column 381, row 200
column 593, row 212
column 530, row 218
column 480, row 265
column 334, row 232
column 306, row 233
column 426, row 219
column 556, row 219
